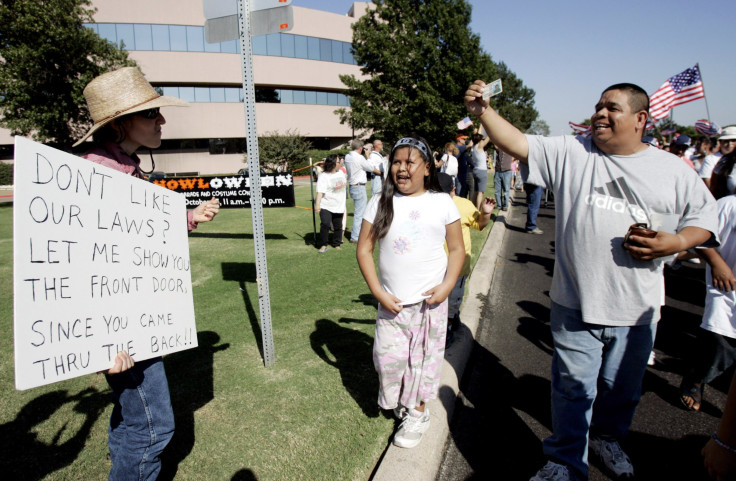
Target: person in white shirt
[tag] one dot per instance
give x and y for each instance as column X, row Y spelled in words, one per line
column 379, row 162
column 330, row 202
column 726, row 145
column 357, row 166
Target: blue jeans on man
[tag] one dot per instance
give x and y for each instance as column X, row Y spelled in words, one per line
column 142, row 421
column 533, row 199
column 596, row 384
column 502, row 185
column 360, row 199
column 376, row 185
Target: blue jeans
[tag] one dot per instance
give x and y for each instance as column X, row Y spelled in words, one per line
column 455, row 299
column 357, row 192
column 142, row 421
column 596, row 383
column 502, row 185
column 376, row 185
column 533, row 199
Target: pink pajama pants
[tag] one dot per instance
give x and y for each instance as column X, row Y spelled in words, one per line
column 408, row 351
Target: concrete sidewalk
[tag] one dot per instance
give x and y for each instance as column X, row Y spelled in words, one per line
column 422, row 463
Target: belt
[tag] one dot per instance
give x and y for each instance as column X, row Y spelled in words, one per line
column 356, row 185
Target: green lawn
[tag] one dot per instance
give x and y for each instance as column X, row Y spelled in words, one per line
column 312, row 416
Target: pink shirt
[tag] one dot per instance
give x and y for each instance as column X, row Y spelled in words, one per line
column 113, row 156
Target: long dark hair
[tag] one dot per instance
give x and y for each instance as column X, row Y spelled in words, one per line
column 719, row 180
column 385, row 213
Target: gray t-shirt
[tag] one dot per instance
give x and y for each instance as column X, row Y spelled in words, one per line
column 597, row 198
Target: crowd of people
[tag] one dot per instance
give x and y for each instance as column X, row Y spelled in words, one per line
column 606, row 295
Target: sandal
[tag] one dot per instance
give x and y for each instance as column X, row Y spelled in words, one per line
column 695, row 393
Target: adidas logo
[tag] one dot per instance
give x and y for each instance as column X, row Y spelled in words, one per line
column 616, row 196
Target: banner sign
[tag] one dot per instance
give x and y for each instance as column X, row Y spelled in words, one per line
column 101, row 265
column 233, row 191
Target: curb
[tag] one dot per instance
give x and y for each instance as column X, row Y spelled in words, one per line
column 423, row 462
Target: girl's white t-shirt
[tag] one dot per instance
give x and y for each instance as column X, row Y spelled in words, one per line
column 412, row 257
column 332, row 186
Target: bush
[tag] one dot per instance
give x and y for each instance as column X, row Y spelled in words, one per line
column 277, row 149
column 6, row 174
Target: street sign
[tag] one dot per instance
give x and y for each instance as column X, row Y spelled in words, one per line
column 219, row 8
column 223, row 8
column 271, row 20
column 221, row 29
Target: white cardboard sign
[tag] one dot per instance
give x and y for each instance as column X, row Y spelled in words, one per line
column 101, row 265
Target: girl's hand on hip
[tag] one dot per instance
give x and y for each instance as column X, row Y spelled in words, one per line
column 390, row 302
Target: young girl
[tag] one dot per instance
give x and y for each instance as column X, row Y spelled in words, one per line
column 330, row 202
column 411, row 222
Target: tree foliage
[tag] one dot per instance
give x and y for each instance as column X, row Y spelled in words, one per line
column 418, row 58
column 47, row 57
column 538, row 127
column 274, row 149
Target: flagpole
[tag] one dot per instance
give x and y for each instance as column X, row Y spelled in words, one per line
column 707, row 110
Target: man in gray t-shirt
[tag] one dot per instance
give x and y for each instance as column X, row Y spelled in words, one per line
column 606, row 294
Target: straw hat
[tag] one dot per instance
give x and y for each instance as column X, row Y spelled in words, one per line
column 121, row 92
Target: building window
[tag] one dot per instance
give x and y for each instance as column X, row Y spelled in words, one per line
column 190, row 38
column 160, row 37
column 263, row 95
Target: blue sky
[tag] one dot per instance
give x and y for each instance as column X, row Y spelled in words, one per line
column 568, row 51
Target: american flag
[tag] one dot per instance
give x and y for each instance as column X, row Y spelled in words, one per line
column 464, row 123
column 669, row 131
column 709, row 129
column 682, row 88
column 579, row 129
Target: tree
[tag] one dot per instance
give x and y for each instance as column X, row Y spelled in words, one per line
column 538, row 127
column 419, row 56
column 47, row 57
column 275, row 149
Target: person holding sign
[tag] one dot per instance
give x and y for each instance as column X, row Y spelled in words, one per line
column 125, row 111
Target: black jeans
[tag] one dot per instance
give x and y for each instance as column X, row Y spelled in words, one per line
column 328, row 219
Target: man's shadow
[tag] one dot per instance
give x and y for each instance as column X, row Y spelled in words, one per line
column 351, row 352
column 25, row 456
column 191, row 386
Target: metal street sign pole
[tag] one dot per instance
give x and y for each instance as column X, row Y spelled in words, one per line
column 259, row 236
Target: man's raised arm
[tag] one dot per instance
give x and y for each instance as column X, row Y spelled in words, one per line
column 506, row 137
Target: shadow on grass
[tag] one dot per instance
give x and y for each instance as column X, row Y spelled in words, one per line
column 351, row 352
column 25, row 456
column 191, row 386
column 244, row 475
column 229, row 235
column 368, row 300
column 245, row 273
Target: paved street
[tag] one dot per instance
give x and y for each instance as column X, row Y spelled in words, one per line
column 503, row 413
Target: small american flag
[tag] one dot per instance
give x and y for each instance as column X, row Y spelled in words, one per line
column 669, row 131
column 464, row 123
column 709, row 129
column 682, row 88
column 580, row 129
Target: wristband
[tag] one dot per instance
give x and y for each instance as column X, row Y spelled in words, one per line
column 722, row 444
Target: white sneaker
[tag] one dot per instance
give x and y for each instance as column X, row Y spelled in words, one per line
column 552, row 472
column 612, row 457
column 414, row 425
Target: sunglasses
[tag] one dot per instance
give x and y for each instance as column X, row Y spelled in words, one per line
column 149, row 114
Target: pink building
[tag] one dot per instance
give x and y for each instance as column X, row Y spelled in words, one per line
column 296, row 77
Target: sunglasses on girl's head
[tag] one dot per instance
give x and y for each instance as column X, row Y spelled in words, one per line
column 149, row 114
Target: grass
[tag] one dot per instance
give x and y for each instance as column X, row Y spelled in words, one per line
column 312, row 416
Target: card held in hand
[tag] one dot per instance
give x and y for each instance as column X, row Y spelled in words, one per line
column 492, row 89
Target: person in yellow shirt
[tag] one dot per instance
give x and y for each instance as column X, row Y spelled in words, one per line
column 469, row 217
